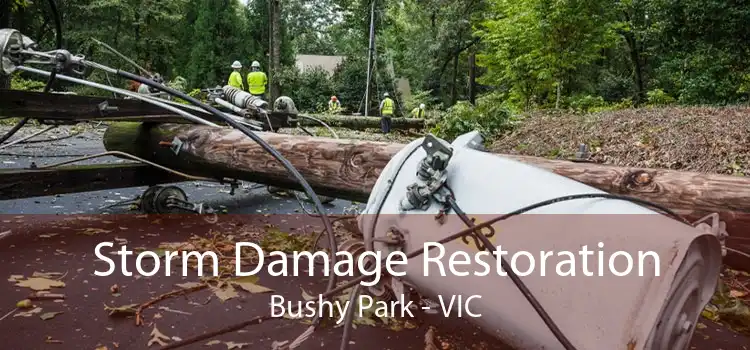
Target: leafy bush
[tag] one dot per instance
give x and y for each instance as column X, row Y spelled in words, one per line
column 310, row 89
column 19, row 83
column 658, row 97
column 490, row 116
column 585, row 103
column 418, row 97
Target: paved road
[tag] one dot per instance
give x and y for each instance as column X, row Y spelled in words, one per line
column 38, row 236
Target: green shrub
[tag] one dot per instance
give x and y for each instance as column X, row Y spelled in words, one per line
column 658, row 97
column 490, row 116
column 585, row 103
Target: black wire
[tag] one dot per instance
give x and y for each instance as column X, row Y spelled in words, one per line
column 273, row 152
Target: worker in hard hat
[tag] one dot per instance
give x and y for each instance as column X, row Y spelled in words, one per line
column 386, row 113
column 418, row 112
column 235, row 79
column 334, row 105
column 256, row 80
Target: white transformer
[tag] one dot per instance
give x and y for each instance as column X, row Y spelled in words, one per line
column 658, row 310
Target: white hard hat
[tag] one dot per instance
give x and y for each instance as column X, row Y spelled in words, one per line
column 255, row 64
column 385, row 94
column 236, row 64
column 421, row 106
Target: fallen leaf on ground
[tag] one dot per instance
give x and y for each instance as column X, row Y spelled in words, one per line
column 737, row 294
column 24, row 304
column 15, row 278
column 232, row 345
column 225, row 292
column 124, row 310
column 50, row 275
column 278, row 344
column 213, row 342
column 429, row 339
column 49, row 340
column 40, row 283
column 248, row 284
column 101, row 348
column 114, row 289
column 92, row 231
column 306, row 296
column 49, row 315
column 49, row 235
column 29, row 313
column 157, row 337
column 188, row 285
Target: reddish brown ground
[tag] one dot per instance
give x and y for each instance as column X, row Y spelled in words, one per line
column 84, row 324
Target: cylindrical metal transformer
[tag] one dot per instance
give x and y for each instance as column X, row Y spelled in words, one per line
column 243, row 99
column 674, row 266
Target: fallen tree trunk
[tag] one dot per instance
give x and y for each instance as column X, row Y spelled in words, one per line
column 362, row 123
column 349, row 168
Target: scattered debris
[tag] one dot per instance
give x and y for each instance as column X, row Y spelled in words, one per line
column 45, row 295
column 125, row 310
column 15, row 278
column 49, row 340
column 49, row 315
column 212, row 342
column 232, row 345
column 224, row 291
column 157, row 337
column 40, row 283
column 29, row 313
column 164, row 308
column 278, row 345
column 248, row 283
column 92, row 231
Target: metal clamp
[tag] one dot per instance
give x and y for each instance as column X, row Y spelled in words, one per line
column 176, row 145
column 431, row 173
column 716, row 227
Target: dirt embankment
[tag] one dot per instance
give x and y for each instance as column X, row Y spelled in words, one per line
column 703, row 139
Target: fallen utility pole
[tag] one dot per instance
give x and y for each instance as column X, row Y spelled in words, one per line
column 362, row 123
column 348, row 169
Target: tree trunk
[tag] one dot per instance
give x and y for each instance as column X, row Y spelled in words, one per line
column 348, row 169
column 454, row 89
column 472, row 77
column 362, row 123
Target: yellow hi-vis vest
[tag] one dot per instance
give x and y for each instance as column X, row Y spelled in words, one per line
column 235, row 80
column 256, row 82
column 417, row 113
column 387, row 108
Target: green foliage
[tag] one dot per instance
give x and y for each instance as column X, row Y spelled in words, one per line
column 586, row 103
column 19, row 83
column 490, row 116
column 178, row 83
column 420, row 96
column 658, row 97
column 310, row 89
